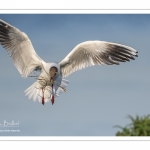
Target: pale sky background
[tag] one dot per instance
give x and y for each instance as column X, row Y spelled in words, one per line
column 97, row 98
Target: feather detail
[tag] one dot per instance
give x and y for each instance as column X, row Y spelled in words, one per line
column 92, row 53
column 20, row 49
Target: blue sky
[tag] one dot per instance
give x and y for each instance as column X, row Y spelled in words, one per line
column 97, row 98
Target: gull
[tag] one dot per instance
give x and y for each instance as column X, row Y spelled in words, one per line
column 50, row 77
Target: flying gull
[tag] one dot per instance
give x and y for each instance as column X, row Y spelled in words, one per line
column 51, row 77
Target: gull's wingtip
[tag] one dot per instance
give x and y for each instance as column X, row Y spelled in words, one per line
column 4, row 23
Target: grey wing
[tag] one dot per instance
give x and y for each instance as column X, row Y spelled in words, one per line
column 20, row 49
column 92, row 53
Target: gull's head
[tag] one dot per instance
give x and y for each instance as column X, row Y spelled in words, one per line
column 53, row 71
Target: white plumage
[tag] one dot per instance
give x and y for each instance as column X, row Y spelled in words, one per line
column 85, row 54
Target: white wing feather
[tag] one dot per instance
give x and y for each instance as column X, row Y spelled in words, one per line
column 92, row 53
column 20, row 49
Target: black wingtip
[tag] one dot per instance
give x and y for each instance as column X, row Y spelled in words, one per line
column 2, row 22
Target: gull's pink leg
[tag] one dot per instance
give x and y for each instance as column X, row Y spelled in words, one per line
column 43, row 96
column 52, row 99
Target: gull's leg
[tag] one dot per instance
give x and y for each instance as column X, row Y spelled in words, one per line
column 52, row 98
column 43, row 97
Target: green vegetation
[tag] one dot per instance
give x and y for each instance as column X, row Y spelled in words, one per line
column 140, row 126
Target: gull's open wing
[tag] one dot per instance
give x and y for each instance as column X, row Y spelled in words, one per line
column 92, row 53
column 20, row 49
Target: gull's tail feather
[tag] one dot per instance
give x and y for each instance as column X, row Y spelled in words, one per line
column 37, row 92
